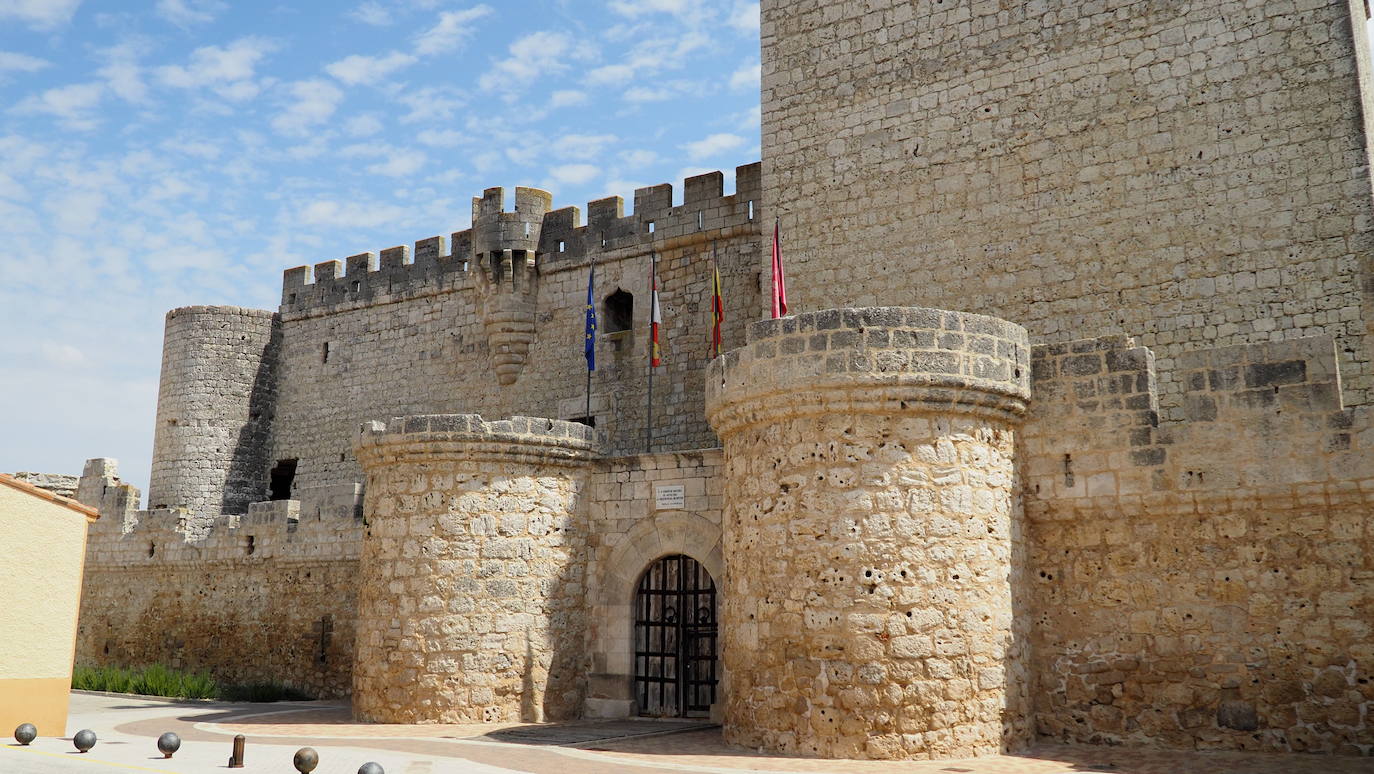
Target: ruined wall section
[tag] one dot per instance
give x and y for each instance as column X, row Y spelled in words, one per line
column 215, row 404
column 1206, row 582
column 1194, row 174
column 408, row 337
column 269, row 596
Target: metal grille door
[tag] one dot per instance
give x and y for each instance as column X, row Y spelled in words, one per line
column 675, row 639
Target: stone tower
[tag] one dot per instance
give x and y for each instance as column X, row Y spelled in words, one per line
column 872, row 534
column 470, row 605
column 504, row 251
column 215, row 402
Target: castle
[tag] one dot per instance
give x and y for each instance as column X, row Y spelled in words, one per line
column 1069, row 435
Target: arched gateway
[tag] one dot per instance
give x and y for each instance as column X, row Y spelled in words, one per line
column 675, row 639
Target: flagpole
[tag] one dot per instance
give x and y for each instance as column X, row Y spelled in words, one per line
column 649, row 409
column 592, row 300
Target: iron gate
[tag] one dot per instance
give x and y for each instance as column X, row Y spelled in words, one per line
column 675, row 639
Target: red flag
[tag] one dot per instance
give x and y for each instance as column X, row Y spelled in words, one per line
column 717, row 310
column 779, row 282
column 655, row 319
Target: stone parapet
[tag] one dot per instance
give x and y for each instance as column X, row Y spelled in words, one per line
column 877, row 360
column 471, row 605
column 872, row 534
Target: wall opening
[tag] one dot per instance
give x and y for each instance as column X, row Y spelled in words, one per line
column 588, row 421
column 324, row 353
column 675, row 639
column 283, row 476
column 619, row 311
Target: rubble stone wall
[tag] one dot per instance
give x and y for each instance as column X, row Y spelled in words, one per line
column 872, row 534
column 1203, row 583
column 471, row 590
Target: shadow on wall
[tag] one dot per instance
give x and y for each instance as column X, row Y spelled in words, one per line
column 245, row 480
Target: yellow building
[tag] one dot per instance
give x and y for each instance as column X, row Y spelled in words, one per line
column 42, row 550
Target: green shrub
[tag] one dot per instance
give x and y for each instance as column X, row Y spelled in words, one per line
column 158, row 680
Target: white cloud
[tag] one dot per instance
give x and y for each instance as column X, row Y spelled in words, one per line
column 449, row 33
column 638, row 158
column 746, row 78
column 582, row 146
column 364, row 125
column 72, row 105
column 567, row 98
column 574, row 174
column 227, row 70
column 39, row 14
column 646, row 94
column 350, row 214
column 374, row 14
column 633, row 8
column 749, row 119
column 185, row 13
column 713, row 146
column 535, row 55
column 308, row 103
column 122, row 72
column 357, row 69
column 432, row 103
column 400, row 164
column 441, row 138
column 20, row 63
column 611, row 75
column 61, row 355
column 745, row 17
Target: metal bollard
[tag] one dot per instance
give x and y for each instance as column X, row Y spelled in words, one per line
column 236, row 758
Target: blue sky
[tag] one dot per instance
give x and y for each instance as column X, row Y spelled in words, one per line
column 164, row 153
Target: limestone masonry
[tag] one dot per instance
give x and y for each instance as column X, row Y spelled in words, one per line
column 1069, row 434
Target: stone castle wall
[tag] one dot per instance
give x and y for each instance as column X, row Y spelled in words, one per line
column 1203, row 583
column 265, row 597
column 215, row 405
column 872, row 534
column 407, row 336
column 471, row 591
column 1191, row 174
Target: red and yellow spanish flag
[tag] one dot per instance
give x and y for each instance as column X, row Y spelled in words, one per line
column 655, row 320
column 717, row 309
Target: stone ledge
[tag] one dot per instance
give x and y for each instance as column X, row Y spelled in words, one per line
column 874, row 360
column 468, row 435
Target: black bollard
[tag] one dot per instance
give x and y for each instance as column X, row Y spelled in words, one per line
column 25, row 733
column 168, row 743
column 84, row 739
column 371, row 767
column 236, row 758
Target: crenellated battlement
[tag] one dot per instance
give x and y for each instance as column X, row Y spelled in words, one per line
column 1095, row 429
column 439, row 264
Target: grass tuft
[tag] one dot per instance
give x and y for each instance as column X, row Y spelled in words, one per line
column 158, row 680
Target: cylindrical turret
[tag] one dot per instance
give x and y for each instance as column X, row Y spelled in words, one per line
column 470, row 601
column 214, row 409
column 871, row 533
column 504, row 248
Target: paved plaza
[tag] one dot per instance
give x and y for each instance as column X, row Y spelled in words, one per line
column 128, row 728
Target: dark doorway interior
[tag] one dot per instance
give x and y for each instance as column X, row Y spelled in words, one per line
column 675, row 639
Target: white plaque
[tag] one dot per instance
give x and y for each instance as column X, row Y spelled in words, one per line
column 670, row 498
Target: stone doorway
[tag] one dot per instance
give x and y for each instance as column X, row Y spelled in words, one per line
column 675, row 639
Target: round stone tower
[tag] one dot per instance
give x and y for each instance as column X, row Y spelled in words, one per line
column 214, row 409
column 872, row 534
column 470, row 598
column 504, row 250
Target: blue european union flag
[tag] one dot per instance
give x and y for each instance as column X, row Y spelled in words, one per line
column 589, row 346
